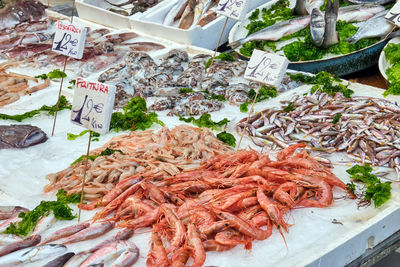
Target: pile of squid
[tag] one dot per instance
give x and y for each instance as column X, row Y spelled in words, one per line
column 366, row 128
column 230, row 200
column 14, row 85
column 166, row 152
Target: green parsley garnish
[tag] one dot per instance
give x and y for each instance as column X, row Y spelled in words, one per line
column 185, row 90
column 49, row 109
column 106, row 152
column 375, row 190
column 54, row 74
column 223, row 56
column 289, row 107
column 205, row 121
column 60, row 209
column 336, row 118
column 227, row 138
column 392, row 53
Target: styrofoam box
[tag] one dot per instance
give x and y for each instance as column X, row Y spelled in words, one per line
column 96, row 11
column 151, row 23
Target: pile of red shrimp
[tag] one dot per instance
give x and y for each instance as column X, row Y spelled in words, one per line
column 231, row 200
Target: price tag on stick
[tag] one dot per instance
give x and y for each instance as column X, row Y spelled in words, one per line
column 393, row 15
column 93, row 105
column 232, row 8
column 266, row 68
column 69, row 39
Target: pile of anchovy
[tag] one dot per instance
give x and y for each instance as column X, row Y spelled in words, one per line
column 368, row 129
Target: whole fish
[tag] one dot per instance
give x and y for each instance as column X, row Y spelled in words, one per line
column 95, row 230
column 67, row 231
column 7, row 212
column 376, row 2
column 60, row 261
column 376, row 26
column 305, row 7
column 20, row 136
column 276, row 31
column 175, row 12
column 127, row 258
column 188, row 15
column 317, row 26
column 201, row 9
column 124, row 234
column 22, row 244
column 76, row 260
column 358, row 13
column 331, row 36
column 107, row 253
column 44, row 224
column 6, row 239
column 30, row 255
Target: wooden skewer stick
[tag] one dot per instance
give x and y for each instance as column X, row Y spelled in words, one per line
column 248, row 117
column 84, row 175
column 219, row 42
column 62, row 78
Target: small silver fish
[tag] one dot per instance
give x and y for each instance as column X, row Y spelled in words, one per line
column 276, row 31
column 127, row 258
column 22, row 244
column 77, row 259
column 32, row 254
column 67, row 231
column 376, row 2
column 358, row 12
column 121, row 235
column 44, row 224
column 95, row 230
column 377, row 26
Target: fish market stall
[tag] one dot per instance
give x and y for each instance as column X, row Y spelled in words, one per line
column 199, row 167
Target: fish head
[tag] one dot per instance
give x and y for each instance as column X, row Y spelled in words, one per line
column 21, row 136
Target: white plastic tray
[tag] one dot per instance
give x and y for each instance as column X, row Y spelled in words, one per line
column 206, row 37
column 95, row 11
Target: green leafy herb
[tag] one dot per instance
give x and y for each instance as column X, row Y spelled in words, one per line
column 60, row 209
column 218, row 97
column 244, row 107
column 264, row 93
column 54, row 74
column 255, row 14
column 49, row 109
column 392, row 53
column 72, row 84
column 375, row 190
column 185, row 90
column 336, row 118
column 289, row 107
column 325, row 82
column 227, row 138
column 106, row 152
column 134, row 116
column 223, row 56
column 205, row 121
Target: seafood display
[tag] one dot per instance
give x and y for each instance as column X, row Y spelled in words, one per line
column 311, row 30
column 140, row 75
column 364, row 127
column 13, row 86
column 231, row 199
column 185, row 14
column 166, row 152
column 21, row 11
column 21, row 136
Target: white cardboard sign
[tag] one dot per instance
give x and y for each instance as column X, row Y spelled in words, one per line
column 393, row 15
column 93, row 105
column 69, row 39
column 267, row 68
column 232, row 8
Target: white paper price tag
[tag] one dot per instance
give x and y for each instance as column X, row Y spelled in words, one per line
column 266, row 68
column 93, row 105
column 232, row 8
column 393, row 15
column 69, row 39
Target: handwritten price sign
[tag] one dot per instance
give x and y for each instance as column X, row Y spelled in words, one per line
column 393, row 15
column 92, row 105
column 266, row 68
column 69, row 39
column 232, row 8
